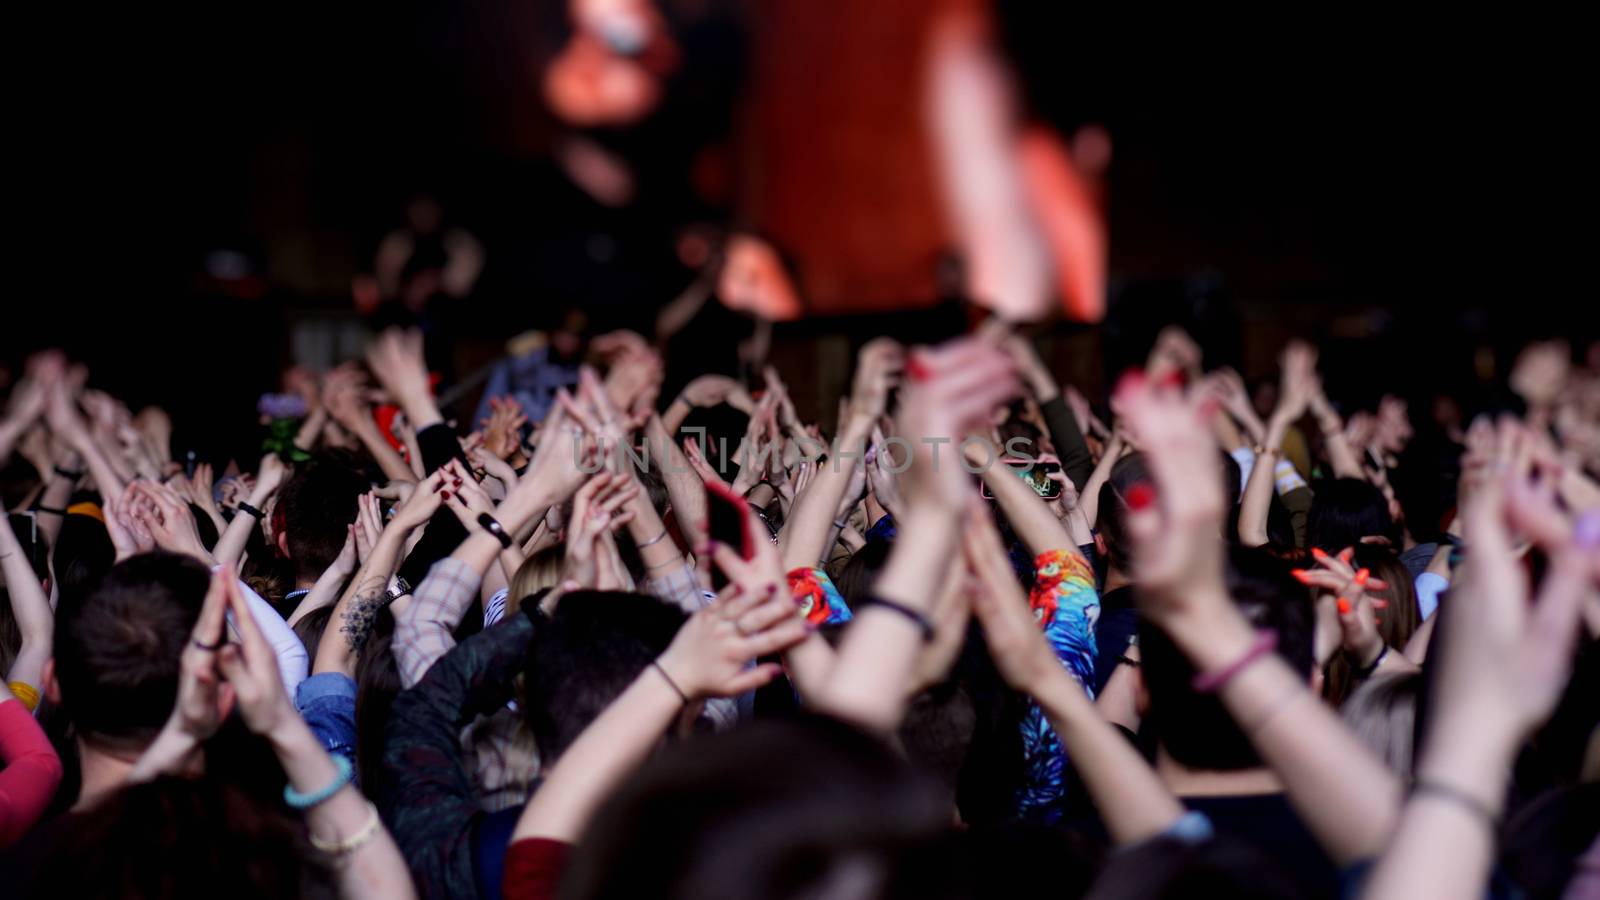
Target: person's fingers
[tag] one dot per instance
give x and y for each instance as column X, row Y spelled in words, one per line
column 779, row 637
column 750, row 680
column 243, row 620
column 778, row 607
column 1554, row 621
column 208, row 627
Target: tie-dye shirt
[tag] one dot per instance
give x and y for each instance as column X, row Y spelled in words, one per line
column 1067, row 608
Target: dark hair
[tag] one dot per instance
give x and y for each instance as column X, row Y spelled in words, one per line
column 181, row 837
column 859, row 572
column 1112, row 523
column 1396, row 623
column 1344, row 511
column 584, row 655
column 318, row 502
column 116, row 650
column 377, row 684
column 728, row 816
column 1193, row 727
column 724, row 429
column 311, row 626
column 1172, row 868
column 84, row 553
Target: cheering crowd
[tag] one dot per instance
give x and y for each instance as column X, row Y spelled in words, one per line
column 979, row 637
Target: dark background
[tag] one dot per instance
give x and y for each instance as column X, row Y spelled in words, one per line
column 1413, row 189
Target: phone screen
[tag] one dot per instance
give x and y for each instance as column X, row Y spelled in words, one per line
column 725, row 512
column 1037, row 477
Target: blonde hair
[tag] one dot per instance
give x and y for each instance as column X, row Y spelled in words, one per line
column 537, row 572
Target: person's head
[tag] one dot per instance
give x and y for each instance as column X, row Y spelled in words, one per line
column 1174, row 869
column 83, row 554
column 115, row 664
column 318, row 502
column 722, row 427
column 1383, row 713
column 1344, row 511
column 538, row 572
column 1194, row 728
column 593, row 645
column 856, row 578
column 180, row 837
column 1112, row 536
column 803, row 807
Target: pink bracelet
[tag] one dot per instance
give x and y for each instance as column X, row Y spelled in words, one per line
column 1211, row 682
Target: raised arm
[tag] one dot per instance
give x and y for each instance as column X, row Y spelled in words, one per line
column 230, row 545
column 342, row 398
column 812, row 518
column 1297, row 386
column 344, row 825
column 1076, row 462
column 1503, row 664
column 1038, row 527
column 1344, row 793
column 29, row 607
column 1131, row 799
column 711, row 656
column 951, row 390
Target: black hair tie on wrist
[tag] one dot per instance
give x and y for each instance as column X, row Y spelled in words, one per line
column 916, row 617
column 54, row 511
column 68, row 473
column 249, row 510
column 495, row 528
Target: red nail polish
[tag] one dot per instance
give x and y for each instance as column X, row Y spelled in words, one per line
column 1362, row 576
column 1172, row 379
column 1301, row 575
column 1141, row 496
column 445, row 495
column 1344, row 607
column 1316, row 553
column 917, row 370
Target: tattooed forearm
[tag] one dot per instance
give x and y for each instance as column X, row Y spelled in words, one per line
column 360, row 615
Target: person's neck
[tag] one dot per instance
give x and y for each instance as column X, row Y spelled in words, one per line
column 1116, row 578
column 104, row 773
column 1186, row 782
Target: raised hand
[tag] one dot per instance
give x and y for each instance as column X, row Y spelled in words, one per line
column 1176, row 522
column 502, row 431
column 197, row 712
column 169, row 520
column 950, row 393
column 252, row 669
column 396, row 360
column 752, row 617
column 878, row 368
column 1342, row 589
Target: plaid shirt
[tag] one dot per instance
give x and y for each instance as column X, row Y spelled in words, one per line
column 505, row 760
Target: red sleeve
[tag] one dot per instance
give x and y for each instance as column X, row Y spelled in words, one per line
column 533, row 869
column 32, row 771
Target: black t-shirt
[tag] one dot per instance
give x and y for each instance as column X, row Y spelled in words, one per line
column 1271, row 825
column 1118, row 623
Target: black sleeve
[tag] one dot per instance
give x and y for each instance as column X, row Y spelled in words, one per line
column 1068, row 438
column 430, row 801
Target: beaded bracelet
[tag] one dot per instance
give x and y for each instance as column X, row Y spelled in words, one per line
column 298, row 800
